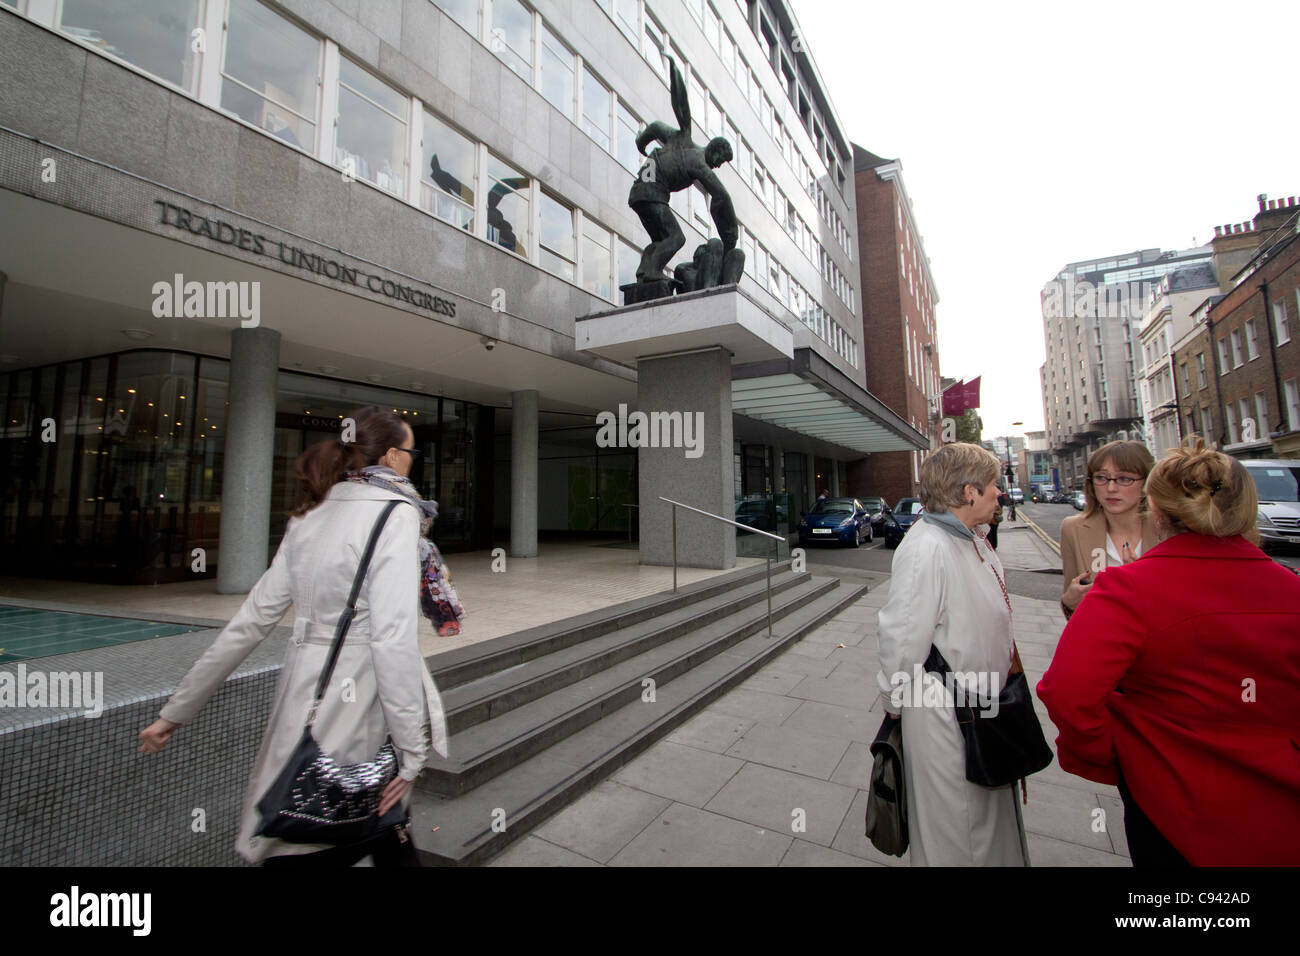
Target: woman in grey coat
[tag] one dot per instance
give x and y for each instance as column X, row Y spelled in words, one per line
column 381, row 687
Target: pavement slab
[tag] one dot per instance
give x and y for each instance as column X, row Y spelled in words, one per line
column 683, row 774
column 603, row 820
column 687, row 836
column 787, row 748
column 785, row 803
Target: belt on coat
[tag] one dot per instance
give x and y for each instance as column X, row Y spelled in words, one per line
column 307, row 631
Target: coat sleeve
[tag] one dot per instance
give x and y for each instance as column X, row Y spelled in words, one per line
column 1097, row 648
column 257, row 616
column 907, row 622
column 1069, row 561
column 393, row 598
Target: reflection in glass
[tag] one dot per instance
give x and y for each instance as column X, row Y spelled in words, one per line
column 153, row 36
column 596, row 264
column 557, row 242
column 464, row 12
column 447, row 187
column 512, row 36
column 595, row 109
column 371, row 142
column 507, row 207
column 628, row 126
column 557, row 73
column 269, row 74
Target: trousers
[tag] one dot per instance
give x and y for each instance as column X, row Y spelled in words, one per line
column 1147, row 846
column 394, row 848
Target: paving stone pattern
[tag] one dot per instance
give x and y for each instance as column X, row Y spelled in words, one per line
column 775, row 773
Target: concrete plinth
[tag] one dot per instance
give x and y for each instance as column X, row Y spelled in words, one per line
column 249, row 459
column 690, row 394
column 523, row 474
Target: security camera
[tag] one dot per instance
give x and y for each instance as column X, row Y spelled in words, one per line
column 487, row 342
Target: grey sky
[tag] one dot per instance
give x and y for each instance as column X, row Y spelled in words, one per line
column 1035, row 134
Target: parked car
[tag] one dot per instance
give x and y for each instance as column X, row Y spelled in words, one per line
column 1017, row 496
column 836, row 519
column 1062, row 497
column 1277, row 481
column 907, row 511
column 758, row 513
column 1079, row 500
column 891, row 530
column 876, row 507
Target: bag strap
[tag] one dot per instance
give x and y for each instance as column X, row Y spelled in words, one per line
column 349, row 612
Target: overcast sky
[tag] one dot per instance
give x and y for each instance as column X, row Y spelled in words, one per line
column 1036, row 134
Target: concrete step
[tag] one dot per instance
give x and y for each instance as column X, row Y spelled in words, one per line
column 487, row 749
column 471, row 828
column 455, row 667
column 487, row 697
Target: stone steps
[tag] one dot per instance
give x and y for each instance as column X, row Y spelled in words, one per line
column 520, row 768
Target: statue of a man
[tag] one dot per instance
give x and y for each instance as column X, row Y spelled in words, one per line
column 676, row 165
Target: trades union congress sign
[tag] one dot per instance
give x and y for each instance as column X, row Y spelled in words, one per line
column 218, row 230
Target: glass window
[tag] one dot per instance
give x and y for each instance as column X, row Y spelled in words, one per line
column 1292, row 404
column 629, row 259
column 628, row 126
column 597, row 261
column 371, row 140
column 596, row 100
column 746, row 161
column 269, row 77
column 1235, row 336
column 464, row 12
column 697, row 9
column 627, row 16
column 447, row 178
column 714, row 121
column 652, row 47
column 1252, row 342
column 137, row 31
column 711, row 27
column 1279, row 319
column 697, row 97
column 558, row 83
column 512, row 36
column 727, row 50
column 558, row 248
column 1200, row 370
column 507, row 207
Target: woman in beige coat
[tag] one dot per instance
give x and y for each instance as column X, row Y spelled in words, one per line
column 1114, row 528
column 380, row 687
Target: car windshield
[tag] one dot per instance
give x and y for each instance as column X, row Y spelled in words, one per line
column 873, row 504
column 909, row 506
column 833, row 506
column 1276, row 483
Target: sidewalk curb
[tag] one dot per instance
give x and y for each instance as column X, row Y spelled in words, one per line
column 1051, row 542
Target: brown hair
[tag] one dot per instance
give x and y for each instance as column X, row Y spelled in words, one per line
column 322, row 466
column 1130, row 456
column 1202, row 490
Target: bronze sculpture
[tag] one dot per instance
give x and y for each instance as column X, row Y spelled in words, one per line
column 678, row 164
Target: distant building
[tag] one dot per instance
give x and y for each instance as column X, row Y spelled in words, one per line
column 900, row 351
column 1250, row 332
column 1091, row 315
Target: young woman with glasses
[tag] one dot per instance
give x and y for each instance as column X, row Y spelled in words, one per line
column 1114, row 528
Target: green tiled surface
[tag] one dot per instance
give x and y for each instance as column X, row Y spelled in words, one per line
column 27, row 633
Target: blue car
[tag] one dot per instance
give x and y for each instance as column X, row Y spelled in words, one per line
column 907, row 511
column 844, row 520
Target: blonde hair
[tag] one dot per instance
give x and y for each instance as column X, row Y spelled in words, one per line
column 1205, row 491
column 1130, row 456
column 945, row 472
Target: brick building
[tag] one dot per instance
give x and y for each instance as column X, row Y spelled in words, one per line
column 1251, row 334
column 900, row 349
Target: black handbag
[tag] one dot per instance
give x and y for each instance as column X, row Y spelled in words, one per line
column 886, row 824
column 315, row 799
column 1001, row 748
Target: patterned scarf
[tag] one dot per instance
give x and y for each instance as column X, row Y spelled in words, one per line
column 438, row 600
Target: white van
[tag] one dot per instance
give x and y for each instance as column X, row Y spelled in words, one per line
column 1278, row 483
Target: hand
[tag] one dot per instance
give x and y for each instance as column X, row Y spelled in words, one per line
column 1077, row 589
column 393, row 793
column 156, row 735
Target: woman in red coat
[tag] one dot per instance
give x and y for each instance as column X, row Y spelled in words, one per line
column 1177, row 677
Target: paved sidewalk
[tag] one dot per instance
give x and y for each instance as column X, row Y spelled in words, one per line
column 732, row 786
column 1022, row 549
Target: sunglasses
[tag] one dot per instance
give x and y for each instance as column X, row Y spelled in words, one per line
column 413, row 452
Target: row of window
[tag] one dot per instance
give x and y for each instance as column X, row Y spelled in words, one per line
column 514, row 33
column 271, row 75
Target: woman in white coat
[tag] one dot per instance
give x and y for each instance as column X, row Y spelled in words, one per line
column 947, row 590
column 380, row 687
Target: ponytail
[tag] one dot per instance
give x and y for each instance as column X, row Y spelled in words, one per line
column 324, row 464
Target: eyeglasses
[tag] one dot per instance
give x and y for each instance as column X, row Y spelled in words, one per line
column 413, row 452
column 1101, row 480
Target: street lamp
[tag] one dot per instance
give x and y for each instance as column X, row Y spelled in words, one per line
column 1011, row 472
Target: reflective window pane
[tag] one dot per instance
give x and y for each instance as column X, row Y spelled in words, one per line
column 512, row 36
column 557, row 73
column 447, row 173
column 595, row 109
column 629, row 258
column 596, row 260
column 556, row 237
column 269, row 74
column 507, row 207
column 145, row 33
column 371, row 141
column 464, row 12
column 628, row 127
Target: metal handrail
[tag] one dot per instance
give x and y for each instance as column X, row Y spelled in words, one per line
column 735, row 524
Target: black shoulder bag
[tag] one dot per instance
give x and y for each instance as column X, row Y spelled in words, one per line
column 1008, row 746
column 316, row 800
